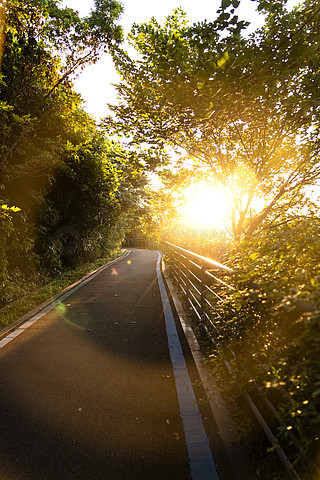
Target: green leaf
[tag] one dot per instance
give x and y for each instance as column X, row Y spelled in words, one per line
column 222, row 60
column 225, row 3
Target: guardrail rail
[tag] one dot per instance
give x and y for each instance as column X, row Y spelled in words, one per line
column 139, row 242
column 198, row 278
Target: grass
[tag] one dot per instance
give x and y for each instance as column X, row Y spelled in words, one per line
column 23, row 305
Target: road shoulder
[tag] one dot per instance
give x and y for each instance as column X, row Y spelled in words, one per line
column 227, row 430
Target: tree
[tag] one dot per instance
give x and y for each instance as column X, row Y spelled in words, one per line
column 230, row 102
column 42, row 122
column 45, row 46
column 90, row 203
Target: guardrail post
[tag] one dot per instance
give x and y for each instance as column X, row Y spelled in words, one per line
column 178, row 269
column 187, row 280
column 169, row 253
column 203, row 291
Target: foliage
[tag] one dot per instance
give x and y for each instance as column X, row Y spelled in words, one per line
column 39, row 111
column 75, row 192
column 231, row 103
column 89, row 204
column 271, row 322
column 155, row 217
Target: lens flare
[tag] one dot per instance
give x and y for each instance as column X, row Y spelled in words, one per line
column 80, row 323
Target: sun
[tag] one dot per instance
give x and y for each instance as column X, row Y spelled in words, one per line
column 205, row 206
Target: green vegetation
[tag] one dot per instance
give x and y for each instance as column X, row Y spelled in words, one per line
column 29, row 300
column 242, row 111
column 271, row 322
column 239, row 111
column 67, row 193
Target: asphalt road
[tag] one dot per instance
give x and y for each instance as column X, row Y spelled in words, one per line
column 87, row 392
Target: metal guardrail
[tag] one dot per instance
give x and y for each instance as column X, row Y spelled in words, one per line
column 138, row 242
column 197, row 277
column 194, row 275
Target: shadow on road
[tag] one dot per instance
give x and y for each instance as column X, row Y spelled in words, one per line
column 87, row 392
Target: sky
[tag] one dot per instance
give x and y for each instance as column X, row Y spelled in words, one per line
column 95, row 83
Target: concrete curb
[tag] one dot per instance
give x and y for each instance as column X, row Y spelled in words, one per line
column 200, row 455
column 238, row 457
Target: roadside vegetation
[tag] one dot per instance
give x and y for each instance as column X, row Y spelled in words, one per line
column 67, row 192
column 202, row 103
column 271, row 323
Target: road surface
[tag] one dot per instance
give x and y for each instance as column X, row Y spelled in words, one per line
column 88, row 391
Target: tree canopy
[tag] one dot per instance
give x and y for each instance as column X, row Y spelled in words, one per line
column 244, row 108
column 67, row 193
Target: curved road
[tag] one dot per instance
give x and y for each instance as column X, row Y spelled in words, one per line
column 88, row 391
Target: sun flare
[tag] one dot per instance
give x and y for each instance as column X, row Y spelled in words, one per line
column 205, row 206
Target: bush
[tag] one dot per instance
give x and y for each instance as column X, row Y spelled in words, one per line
column 272, row 322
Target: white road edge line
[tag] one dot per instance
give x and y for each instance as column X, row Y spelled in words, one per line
column 200, row 455
column 15, row 333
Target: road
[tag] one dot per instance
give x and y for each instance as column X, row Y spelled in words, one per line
column 88, row 391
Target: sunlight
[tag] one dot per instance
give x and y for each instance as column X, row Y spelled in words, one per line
column 206, row 206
